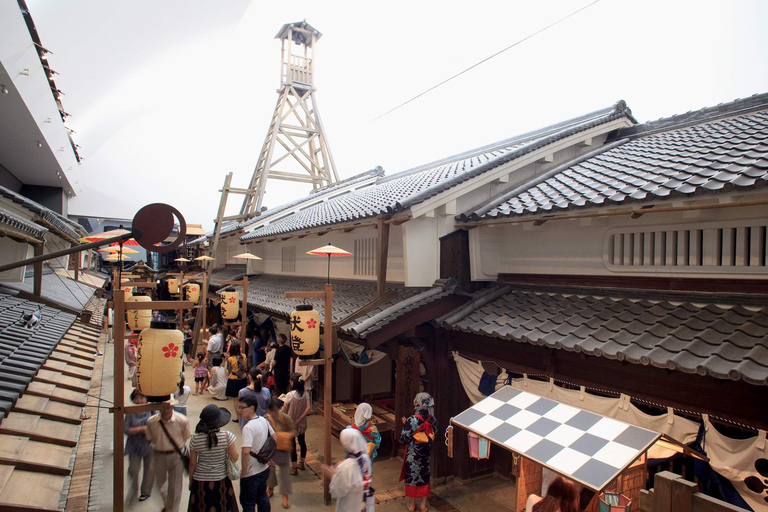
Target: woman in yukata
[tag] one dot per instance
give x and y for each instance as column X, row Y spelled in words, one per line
column 417, row 436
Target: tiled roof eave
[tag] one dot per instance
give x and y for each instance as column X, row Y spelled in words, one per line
column 23, row 228
column 422, row 196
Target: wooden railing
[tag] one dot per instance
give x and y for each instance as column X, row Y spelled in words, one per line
column 671, row 493
column 300, row 69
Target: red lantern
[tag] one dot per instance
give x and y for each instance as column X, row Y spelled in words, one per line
column 305, row 330
column 159, row 360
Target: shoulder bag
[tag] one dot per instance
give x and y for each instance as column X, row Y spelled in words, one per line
column 267, row 450
column 183, row 452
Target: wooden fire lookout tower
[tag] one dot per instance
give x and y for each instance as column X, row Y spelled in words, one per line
column 296, row 147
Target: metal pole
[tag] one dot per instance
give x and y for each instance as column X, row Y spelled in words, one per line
column 327, row 385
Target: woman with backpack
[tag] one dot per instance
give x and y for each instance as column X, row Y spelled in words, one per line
column 417, row 436
column 237, row 374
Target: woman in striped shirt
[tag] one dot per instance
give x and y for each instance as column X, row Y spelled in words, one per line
column 210, row 489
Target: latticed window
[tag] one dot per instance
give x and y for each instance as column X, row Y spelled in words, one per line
column 732, row 247
column 365, row 257
column 289, row 259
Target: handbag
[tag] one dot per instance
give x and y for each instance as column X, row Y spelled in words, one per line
column 183, row 452
column 285, row 441
column 233, row 470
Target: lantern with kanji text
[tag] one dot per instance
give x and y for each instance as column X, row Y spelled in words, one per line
column 230, row 305
column 193, row 292
column 305, row 330
column 159, row 360
column 173, row 286
column 138, row 319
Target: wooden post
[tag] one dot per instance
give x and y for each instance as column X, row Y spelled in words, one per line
column 407, row 371
column 118, row 333
column 381, row 262
column 37, row 280
column 244, row 307
column 328, row 343
column 77, row 257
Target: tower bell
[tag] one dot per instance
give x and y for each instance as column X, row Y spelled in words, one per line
column 296, row 132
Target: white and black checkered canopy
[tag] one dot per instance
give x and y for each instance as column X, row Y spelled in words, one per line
column 578, row 444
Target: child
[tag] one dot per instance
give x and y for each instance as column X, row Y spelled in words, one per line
column 181, row 395
column 188, row 343
column 269, row 381
column 201, row 374
column 131, row 356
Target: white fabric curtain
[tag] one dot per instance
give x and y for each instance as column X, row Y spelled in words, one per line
column 732, row 458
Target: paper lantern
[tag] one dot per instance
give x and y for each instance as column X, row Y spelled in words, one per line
column 193, row 292
column 173, row 286
column 159, row 360
column 128, row 291
column 138, row 319
column 305, row 330
column 614, row 502
column 479, row 447
column 230, row 305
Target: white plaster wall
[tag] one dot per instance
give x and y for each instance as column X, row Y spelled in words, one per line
column 18, row 53
column 10, row 252
column 52, row 244
column 573, row 247
column 317, row 266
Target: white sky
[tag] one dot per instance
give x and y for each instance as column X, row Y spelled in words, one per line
column 169, row 96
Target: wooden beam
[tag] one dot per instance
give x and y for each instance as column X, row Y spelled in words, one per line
column 382, row 257
column 160, row 304
column 391, row 294
column 37, row 283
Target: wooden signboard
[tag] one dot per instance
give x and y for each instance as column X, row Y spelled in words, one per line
column 407, row 379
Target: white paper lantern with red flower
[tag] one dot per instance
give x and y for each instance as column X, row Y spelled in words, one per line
column 193, row 292
column 128, row 291
column 173, row 286
column 159, row 360
column 230, row 305
column 138, row 319
column 305, row 330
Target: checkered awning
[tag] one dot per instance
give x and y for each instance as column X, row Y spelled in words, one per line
column 578, row 444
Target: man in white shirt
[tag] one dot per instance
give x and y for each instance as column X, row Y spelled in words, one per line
column 253, row 475
column 215, row 345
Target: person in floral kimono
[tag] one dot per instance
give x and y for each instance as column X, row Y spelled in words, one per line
column 417, row 436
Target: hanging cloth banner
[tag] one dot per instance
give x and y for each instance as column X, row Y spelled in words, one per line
column 742, row 461
column 359, row 356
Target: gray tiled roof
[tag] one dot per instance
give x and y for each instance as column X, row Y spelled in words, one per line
column 713, row 150
column 58, row 222
column 227, row 273
column 23, row 351
column 401, row 191
column 20, row 224
column 56, row 289
column 267, row 293
column 313, row 196
column 726, row 342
